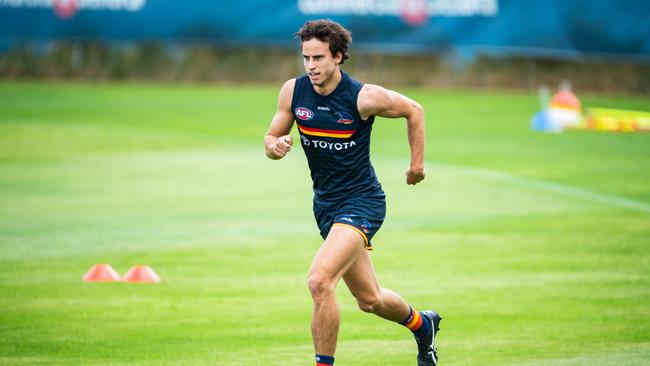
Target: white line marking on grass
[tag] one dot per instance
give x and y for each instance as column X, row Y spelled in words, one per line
column 558, row 188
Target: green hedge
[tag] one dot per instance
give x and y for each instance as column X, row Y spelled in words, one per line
column 205, row 63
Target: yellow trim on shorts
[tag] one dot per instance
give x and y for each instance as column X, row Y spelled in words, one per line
column 363, row 235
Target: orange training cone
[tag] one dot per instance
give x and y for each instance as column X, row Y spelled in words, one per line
column 101, row 273
column 141, row 274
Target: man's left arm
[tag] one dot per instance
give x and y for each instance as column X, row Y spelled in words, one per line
column 375, row 100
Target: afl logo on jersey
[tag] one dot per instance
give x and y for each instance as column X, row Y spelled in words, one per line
column 344, row 118
column 304, row 113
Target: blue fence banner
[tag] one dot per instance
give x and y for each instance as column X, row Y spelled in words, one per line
column 550, row 28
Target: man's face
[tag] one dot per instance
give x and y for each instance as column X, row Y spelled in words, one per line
column 320, row 65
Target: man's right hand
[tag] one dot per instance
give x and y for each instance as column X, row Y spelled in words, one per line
column 282, row 146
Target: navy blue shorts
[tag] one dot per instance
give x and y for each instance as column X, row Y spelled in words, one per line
column 364, row 214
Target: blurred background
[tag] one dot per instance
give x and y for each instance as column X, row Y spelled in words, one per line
column 602, row 45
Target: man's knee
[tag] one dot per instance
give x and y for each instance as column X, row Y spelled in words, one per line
column 368, row 303
column 320, row 283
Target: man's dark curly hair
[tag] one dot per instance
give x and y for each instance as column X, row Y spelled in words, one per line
column 327, row 30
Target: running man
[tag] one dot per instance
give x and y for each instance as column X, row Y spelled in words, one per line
column 334, row 114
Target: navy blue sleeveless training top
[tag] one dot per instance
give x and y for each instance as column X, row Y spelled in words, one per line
column 335, row 139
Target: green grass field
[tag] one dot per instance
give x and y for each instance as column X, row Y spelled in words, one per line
column 534, row 247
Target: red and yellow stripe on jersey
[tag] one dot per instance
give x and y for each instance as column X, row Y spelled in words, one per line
column 326, row 133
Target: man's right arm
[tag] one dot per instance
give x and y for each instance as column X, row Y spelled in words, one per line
column 278, row 141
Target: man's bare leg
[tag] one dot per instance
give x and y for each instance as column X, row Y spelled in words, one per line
column 362, row 282
column 340, row 250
